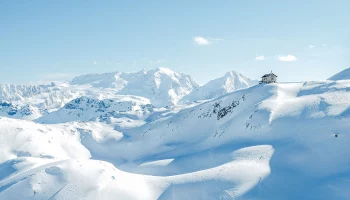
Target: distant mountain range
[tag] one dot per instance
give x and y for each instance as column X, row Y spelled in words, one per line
column 160, row 87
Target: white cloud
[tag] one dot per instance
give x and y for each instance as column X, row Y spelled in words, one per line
column 201, row 40
column 260, row 58
column 287, row 58
column 311, row 46
column 94, row 62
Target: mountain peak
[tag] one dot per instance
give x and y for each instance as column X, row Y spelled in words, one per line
column 163, row 69
column 343, row 75
column 230, row 82
column 232, row 74
column 161, row 85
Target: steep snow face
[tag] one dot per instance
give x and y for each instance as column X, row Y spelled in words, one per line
column 230, row 82
column 89, row 109
column 343, row 75
column 162, row 86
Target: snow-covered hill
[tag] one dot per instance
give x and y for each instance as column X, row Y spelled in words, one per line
column 162, row 86
column 230, row 82
column 343, row 75
column 306, row 124
column 50, row 162
column 274, row 141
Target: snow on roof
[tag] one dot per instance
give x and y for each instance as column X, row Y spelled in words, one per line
column 269, row 75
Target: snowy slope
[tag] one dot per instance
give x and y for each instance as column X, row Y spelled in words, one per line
column 21, row 138
column 298, row 120
column 47, row 162
column 162, row 86
column 230, row 82
column 343, row 75
column 274, row 141
column 91, row 179
column 268, row 141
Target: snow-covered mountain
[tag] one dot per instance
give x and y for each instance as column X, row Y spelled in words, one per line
column 27, row 112
column 89, row 109
column 256, row 143
column 90, row 140
column 230, row 82
column 44, row 97
column 343, row 75
column 162, row 86
column 12, row 92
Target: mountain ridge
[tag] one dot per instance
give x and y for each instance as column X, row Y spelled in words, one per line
column 228, row 83
column 162, row 86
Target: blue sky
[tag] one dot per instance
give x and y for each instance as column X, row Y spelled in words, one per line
column 56, row 40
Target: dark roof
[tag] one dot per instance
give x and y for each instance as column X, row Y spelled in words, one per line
column 269, row 75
